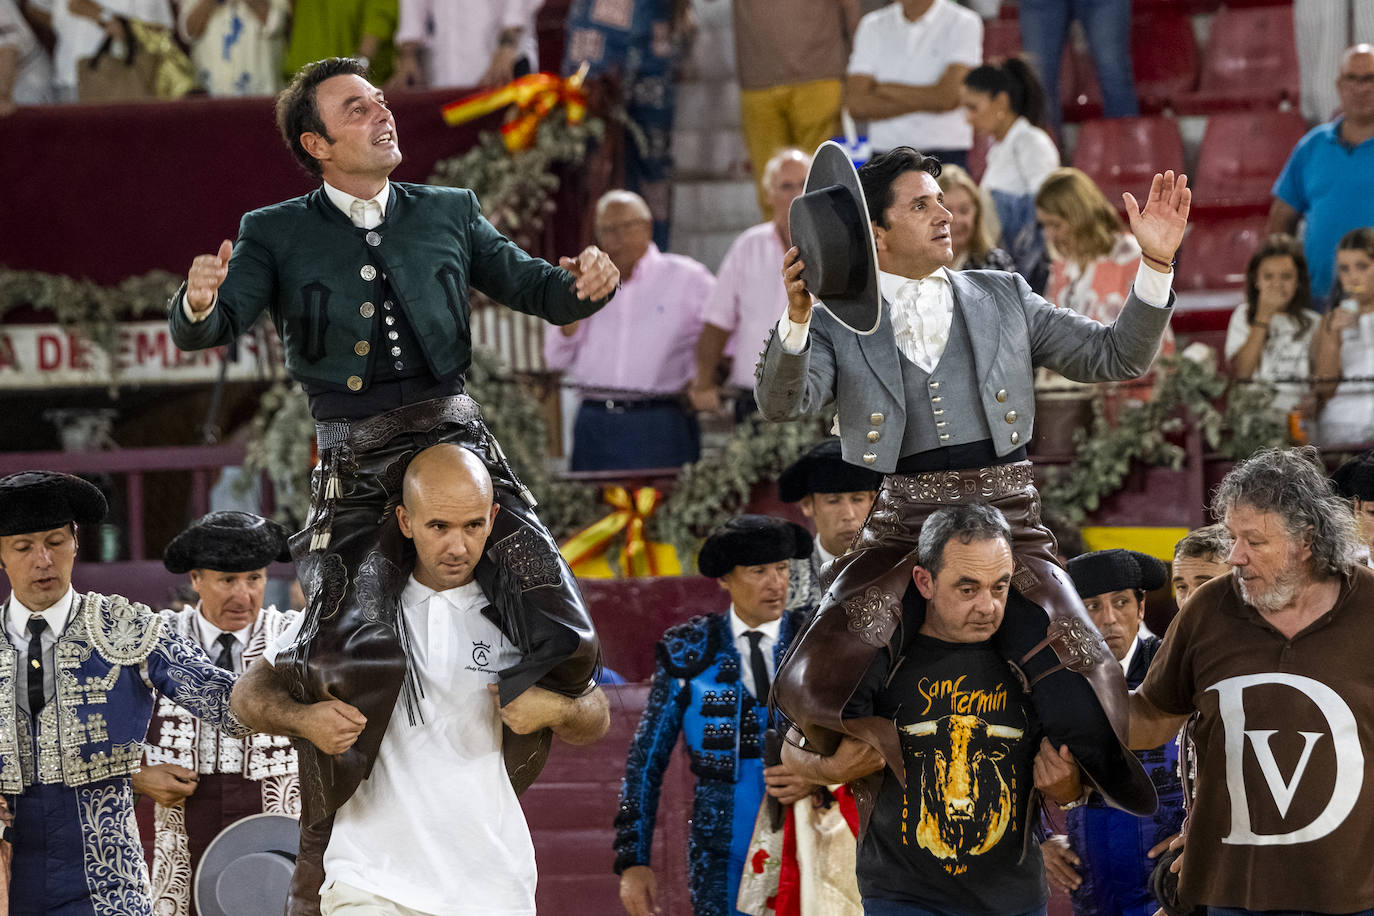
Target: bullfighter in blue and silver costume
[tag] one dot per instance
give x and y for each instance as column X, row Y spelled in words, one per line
column 65, row 772
column 698, row 692
column 1112, row 844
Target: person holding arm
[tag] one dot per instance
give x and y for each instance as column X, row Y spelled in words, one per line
column 1343, row 347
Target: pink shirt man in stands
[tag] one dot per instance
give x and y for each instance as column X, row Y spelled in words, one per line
column 749, row 294
column 632, row 363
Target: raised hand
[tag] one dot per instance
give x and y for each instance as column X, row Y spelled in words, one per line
column 207, row 273
column 1159, row 226
column 596, row 274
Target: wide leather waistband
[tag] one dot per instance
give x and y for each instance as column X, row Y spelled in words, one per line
column 374, row 432
column 965, row 486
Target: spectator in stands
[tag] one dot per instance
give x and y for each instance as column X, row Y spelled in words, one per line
column 790, row 58
column 748, row 294
column 641, row 43
column 1198, row 559
column 1107, row 26
column 1343, row 348
column 1105, row 858
column 467, row 43
column 973, row 224
column 25, row 67
column 1094, row 258
column 710, row 686
column 1329, row 179
column 1275, row 660
column 236, row 45
column 632, row 360
column 1270, row 334
column 1323, row 28
column 905, row 74
column 1007, row 103
column 1355, row 481
column 82, row 25
column 343, row 28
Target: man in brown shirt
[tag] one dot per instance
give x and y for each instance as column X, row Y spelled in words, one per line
column 1274, row 657
column 790, row 58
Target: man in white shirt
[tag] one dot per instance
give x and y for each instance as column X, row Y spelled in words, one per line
column 906, row 73
column 436, row 827
column 196, row 783
column 464, row 43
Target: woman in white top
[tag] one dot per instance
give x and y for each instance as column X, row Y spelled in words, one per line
column 1005, row 101
column 1270, row 333
column 1343, row 348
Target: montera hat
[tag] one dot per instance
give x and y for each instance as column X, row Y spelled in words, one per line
column 831, row 229
column 823, row 470
column 246, row 869
column 1355, row 478
column 42, row 500
column 752, row 540
column 227, row 542
column 1104, row 571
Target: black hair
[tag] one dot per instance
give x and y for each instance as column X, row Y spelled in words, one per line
column 297, row 112
column 1280, row 246
column 877, row 176
column 1016, row 78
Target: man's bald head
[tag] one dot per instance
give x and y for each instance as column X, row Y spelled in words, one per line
column 447, row 509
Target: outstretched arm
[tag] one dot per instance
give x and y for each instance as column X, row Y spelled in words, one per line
column 853, row 759
column 1150, row 726
column 261, row 699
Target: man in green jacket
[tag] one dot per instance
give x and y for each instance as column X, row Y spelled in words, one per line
column 366, row 281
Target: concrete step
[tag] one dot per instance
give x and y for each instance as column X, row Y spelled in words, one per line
column 711, row 154
column 715, row 206
column 707, row 103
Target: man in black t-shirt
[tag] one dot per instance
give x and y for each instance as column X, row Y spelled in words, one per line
column 948, row 834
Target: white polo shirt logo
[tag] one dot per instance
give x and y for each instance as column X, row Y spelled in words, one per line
column 1343, row 734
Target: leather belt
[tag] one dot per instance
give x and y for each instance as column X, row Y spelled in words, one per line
column 950, row 487
column 364, row 435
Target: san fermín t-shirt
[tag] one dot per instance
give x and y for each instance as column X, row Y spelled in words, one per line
column 952, row 841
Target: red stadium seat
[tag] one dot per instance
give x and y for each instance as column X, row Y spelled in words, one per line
column 1080, row 96
column 1251, row 62
column 1241, row 155
column 1214, row 254
column 1164, row 57
column 1001, row 39
column 1123, row 154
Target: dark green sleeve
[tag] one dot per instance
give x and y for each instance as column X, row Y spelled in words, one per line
column 248, row 288
column 502, row 271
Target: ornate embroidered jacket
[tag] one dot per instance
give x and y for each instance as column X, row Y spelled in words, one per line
column 696, row 692
column 177, row 736
column 109, row 661
column 1112, row 843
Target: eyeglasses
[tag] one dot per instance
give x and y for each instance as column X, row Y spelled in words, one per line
column 1359, row 79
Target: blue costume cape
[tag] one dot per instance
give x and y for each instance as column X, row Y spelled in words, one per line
column 1111, row 843
column 696, row 692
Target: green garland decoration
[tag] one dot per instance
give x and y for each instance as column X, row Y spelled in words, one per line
column 1185, row 390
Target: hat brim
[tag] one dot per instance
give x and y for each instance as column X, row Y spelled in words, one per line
column 861, row 313
column 247, row 867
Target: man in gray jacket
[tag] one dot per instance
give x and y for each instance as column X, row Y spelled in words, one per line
column 930, row 372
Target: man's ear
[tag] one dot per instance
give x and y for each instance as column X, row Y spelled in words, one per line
column 925, row 582
column 403, row 520
column 196, row 576
column 495, row 508
column 808, row 505
column 315, row 144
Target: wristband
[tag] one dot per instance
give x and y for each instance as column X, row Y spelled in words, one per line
column 1167, row 265
column 1260, row 324
column 1077, row 802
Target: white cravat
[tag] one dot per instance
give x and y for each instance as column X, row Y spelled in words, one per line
column 922, row 312
column 366, row 214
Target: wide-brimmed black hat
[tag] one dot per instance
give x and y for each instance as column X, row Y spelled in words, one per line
column 752, row 540
column 43, row 500
column 246, row 869
column 832, row 232
column 227, row 542
column 824, row 470
column 1355, row 478
column 1103, row 571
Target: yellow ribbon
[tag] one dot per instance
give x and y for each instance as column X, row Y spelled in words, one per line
column 632, row 510
column 534, row 96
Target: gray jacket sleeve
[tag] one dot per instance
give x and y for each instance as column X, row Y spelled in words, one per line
column 792, row 385
column 1085, row 350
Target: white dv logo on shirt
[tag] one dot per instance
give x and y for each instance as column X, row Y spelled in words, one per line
column 1344, row 736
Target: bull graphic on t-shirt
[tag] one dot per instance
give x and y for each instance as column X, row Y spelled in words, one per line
column 965, row 803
